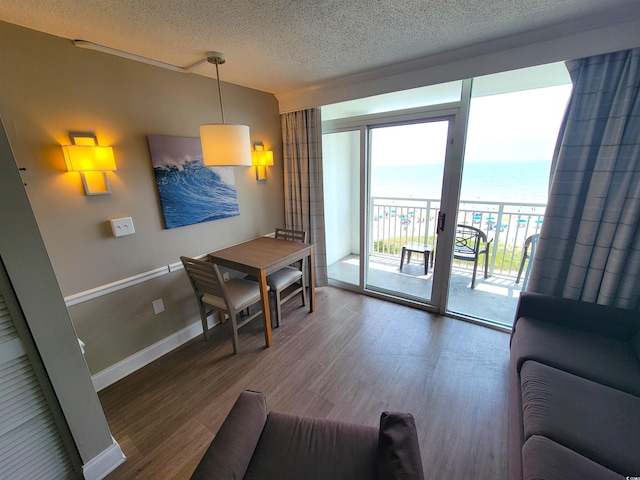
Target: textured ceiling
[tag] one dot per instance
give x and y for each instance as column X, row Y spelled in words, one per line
column 282, row 45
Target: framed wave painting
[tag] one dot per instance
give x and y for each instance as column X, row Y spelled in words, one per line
column 190, row 193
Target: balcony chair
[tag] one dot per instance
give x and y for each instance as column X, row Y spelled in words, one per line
column 470, row 243
column 215, row 295
column 284, row 278
column 528, row 251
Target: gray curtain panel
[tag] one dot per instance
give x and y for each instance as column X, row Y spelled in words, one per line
column 303, row 192
column 589, row 246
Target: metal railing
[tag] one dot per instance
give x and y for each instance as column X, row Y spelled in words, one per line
column 398, row 221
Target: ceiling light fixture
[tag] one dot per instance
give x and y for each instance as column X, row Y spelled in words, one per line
column 224, row 144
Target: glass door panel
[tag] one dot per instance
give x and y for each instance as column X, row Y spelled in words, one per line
column 510, row 142
column 405, row 184
column 341, row 177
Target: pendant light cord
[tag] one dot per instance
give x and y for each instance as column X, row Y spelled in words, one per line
column 220, row 93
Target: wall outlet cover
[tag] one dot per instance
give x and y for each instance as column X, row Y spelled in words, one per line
column 122, row 226
column 158, row 306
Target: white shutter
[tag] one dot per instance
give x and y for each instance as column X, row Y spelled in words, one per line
column 30, row 444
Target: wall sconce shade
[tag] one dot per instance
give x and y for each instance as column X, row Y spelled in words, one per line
column 225, row 145
column 222, row 144
column 81, row 158
column 92, row 161
column 261, row 158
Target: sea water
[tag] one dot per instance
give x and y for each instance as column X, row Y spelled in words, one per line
column 513, row 182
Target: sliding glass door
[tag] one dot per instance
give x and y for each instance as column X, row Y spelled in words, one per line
column 405, row 185
column 477, row 151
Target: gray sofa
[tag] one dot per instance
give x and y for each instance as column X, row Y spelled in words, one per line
column 253, row 444
column 574, row 391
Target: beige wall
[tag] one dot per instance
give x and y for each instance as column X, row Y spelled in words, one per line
column 48, row 87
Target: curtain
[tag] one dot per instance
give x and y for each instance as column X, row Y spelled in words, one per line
column 589, row 246
column 303, row 192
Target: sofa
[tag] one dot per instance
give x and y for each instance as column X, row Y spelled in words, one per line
column 253, row 444
column 574, row 391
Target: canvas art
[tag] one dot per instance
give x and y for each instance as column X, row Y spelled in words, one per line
column 190, row 193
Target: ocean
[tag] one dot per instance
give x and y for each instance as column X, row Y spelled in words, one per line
column 526, row 182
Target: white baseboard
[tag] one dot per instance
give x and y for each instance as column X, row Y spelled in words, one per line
column 144, row 357
column 104, row 463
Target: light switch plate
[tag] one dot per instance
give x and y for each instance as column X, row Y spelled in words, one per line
column 122, row 226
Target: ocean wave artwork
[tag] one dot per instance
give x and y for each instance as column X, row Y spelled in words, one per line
column 189, row 192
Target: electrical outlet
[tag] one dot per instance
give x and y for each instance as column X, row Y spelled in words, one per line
column 122, row 226
column 225, row 276
column 158, row 306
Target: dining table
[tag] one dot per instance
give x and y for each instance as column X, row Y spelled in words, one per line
column 262, row 256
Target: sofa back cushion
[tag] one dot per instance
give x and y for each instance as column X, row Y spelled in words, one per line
column 636, row 345
column 605, row 360
column 293, row 448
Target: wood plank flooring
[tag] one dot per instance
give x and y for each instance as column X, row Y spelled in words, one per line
column 351, row 359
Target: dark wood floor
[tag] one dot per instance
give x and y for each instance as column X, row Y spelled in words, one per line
column 351, row 359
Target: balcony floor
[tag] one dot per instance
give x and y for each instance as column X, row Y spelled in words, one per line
column 493, row 299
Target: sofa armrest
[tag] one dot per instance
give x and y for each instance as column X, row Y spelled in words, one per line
column 598, row 319
column 231, row 450
column 398, row 449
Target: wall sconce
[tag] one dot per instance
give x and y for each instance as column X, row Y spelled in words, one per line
column 261, row 158
column 92, row 161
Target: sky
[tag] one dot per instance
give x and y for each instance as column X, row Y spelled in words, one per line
column 515, row 126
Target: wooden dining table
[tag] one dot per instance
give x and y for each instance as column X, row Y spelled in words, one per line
column 262, row 256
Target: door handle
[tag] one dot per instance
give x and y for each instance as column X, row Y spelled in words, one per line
column 442, row 217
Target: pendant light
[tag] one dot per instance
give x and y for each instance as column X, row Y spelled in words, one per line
column 224, row 144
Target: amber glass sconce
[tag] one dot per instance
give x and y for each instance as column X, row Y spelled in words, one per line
column 92, row 161
column 261, row 159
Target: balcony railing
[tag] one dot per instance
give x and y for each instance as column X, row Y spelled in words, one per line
column 397, row 221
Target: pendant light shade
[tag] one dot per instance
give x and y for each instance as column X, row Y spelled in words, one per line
column 223, row 144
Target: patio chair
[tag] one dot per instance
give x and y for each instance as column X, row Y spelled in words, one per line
column 284, row 278
column 470, row 243
column 215, row 295
column 528, row 251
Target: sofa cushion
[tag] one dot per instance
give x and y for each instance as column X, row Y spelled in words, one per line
column 603, row 320
column 544, row 458
column 598, row 422
column 605, row 360
column 398, row 449
column 293, row 447
column 230, row 452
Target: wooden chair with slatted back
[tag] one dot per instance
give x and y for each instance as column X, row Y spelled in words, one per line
column 215, row 295
column 281, row 281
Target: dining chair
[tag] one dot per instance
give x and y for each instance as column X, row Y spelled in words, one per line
column 280, row 281
column 228, row 298
column 470, row 243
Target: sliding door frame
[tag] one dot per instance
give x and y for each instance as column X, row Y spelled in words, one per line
column 457, row 114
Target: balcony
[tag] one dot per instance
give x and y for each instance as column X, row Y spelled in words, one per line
column 398, row 221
